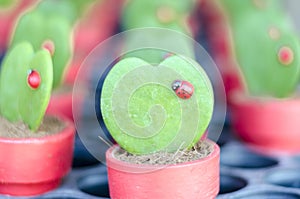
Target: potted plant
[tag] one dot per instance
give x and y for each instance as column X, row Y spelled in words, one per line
column 266, row 49
column 36, row 151
column 157, row 108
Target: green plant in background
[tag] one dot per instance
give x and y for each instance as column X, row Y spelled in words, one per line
column 165, row 14
column 50, row 25
column 6, row 3
column 151, row 102
column 50, row 31
column 69, row 9
column 160, row 14
column 266, row 46
column 36, row 60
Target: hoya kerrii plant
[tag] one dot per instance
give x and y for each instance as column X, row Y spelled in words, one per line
column 267, row 51
column 51, row 25
column 155, row 102
column 169, row 14
column 145, row 78
column 266, row 45
column 39, row 53
column 26, row 81
column 148, row 108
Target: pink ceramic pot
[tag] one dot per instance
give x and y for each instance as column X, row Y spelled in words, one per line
column 268, row 125
column 32, row 166
column 198, row 179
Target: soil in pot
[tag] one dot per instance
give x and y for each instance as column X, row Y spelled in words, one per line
column 199, row 151
column 49, row 126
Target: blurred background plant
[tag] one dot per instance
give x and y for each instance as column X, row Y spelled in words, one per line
column 258, row 51
column 266, row 45
column 48, row 27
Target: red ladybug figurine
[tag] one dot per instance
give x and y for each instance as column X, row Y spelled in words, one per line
column 183, row 89
column 33, row 79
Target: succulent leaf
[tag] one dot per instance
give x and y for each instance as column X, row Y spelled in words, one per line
column 69, row 9
column 6, row 3
column 160, row 14
column 19, row 101
column 258, row 37
column 143, row 113
column 144, row 13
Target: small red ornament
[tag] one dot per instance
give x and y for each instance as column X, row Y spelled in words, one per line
column 286, row 55
column 49, row 45
column 183, row 89
column 33, row 79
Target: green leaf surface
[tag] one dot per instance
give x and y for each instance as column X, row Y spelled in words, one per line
column 238, row 9
column 18, row 100
column 143, row 13
column 6, row 3
column 263, row 71
column 10, row 82
column 69, row 9
column 154, row 43
column 37, row 27
column 143, row 113
column 257, row 48
column 62, row 8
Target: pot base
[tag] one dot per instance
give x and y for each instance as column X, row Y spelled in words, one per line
column 267, row 125
column 31, row 166
column 28, row 189
column 197, row 179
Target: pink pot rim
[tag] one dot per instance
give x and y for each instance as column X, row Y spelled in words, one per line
column 241, row 98
column 136, row 168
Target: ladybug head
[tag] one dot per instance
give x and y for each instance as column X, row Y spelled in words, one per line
column 176, row 84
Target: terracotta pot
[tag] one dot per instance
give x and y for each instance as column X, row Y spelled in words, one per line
column 198, row 179
column 61, row 104
column 32, row 166
column 267, row 125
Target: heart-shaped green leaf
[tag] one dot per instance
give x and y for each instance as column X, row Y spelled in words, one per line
column 19, row 101
column 143, row 113
column 36, row 28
